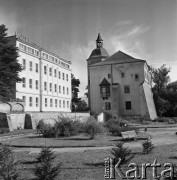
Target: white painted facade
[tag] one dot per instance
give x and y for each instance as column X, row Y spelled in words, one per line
column 46, row 77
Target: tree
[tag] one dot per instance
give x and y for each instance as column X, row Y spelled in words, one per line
column 45, row 168
column 82, row 106
column 75, row 89
column 171, row 96
column 160, row 77
column 8, row 164
column 9, row 66
column 86, row 93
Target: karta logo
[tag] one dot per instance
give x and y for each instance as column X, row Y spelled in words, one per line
column 137, row 172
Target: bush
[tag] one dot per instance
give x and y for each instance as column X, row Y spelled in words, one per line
column 44, row 168
column 40, row 124
column 116, row 126
column 93, row 127
column 124, row 153
column 66, row 127
column 48, row 131
column 8, row 164
column 147, row 146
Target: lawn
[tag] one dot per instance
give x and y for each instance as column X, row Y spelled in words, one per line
column 89, row 165
column 73, row 141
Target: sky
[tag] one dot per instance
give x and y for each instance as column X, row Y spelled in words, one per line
column 145, row 29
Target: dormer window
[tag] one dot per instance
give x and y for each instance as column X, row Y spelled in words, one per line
column 105, row 89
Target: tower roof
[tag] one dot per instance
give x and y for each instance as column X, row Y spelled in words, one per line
column 99, row 38
column 99, row 52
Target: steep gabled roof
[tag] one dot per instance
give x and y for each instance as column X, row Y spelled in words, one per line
column 119, row 57
column 104, row 82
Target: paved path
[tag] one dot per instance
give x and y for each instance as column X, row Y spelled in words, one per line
column 160, row 136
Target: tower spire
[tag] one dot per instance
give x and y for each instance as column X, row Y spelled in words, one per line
column 99, row 41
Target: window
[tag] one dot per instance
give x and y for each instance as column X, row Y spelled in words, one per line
column 107, row 105
column 109, row 75
column 63, row 103
column 66, row 77
column 24, row 82
column 37, row 67
column 127, row 89
column 128, row 105
column 122, row 75
column 67, row 104
column 50, row 86
column 63, row 90
column 55, row 88
column 36, row 84
column 50, row 71
column 59, row 89
column 45, row 69
column 45, row 86
column 59, row 74
column 55, row 72
column 30, row 83
column 67, row 91
column 32, row 51
column 59, row 103
column 31, row 66
column 136, row 77
column 37, row 101
column 24, row 99
column 24, row 64
column 56, row 103
column 45, row 102
column 30, row 101
column 63, row 76
column 51, row 102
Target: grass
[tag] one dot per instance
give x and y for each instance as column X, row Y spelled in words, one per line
column 73, row 141
column 89, row 165
column 18, row 132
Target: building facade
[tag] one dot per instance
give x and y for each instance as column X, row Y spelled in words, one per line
column 46, row 78
column 119, row 84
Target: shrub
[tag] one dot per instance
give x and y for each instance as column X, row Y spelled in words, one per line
column 65, row 127
column 28, row 122
column 40, row 124
column 147, row 146
column 124, row 153
column 44, row 168
column 8, row 164
column 93, row 127
column 48, row 131
column 116, row 126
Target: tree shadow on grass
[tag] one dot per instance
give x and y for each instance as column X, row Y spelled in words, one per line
column 74, row 139
column 95, row 164
column 173, row 157
column 28, row 162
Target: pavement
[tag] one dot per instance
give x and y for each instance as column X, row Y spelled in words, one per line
column 159, row 136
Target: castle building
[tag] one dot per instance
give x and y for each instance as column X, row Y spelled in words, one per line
column 119, row 84
column 46, row 78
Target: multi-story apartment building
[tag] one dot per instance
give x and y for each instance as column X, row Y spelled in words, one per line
column 46, row 77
